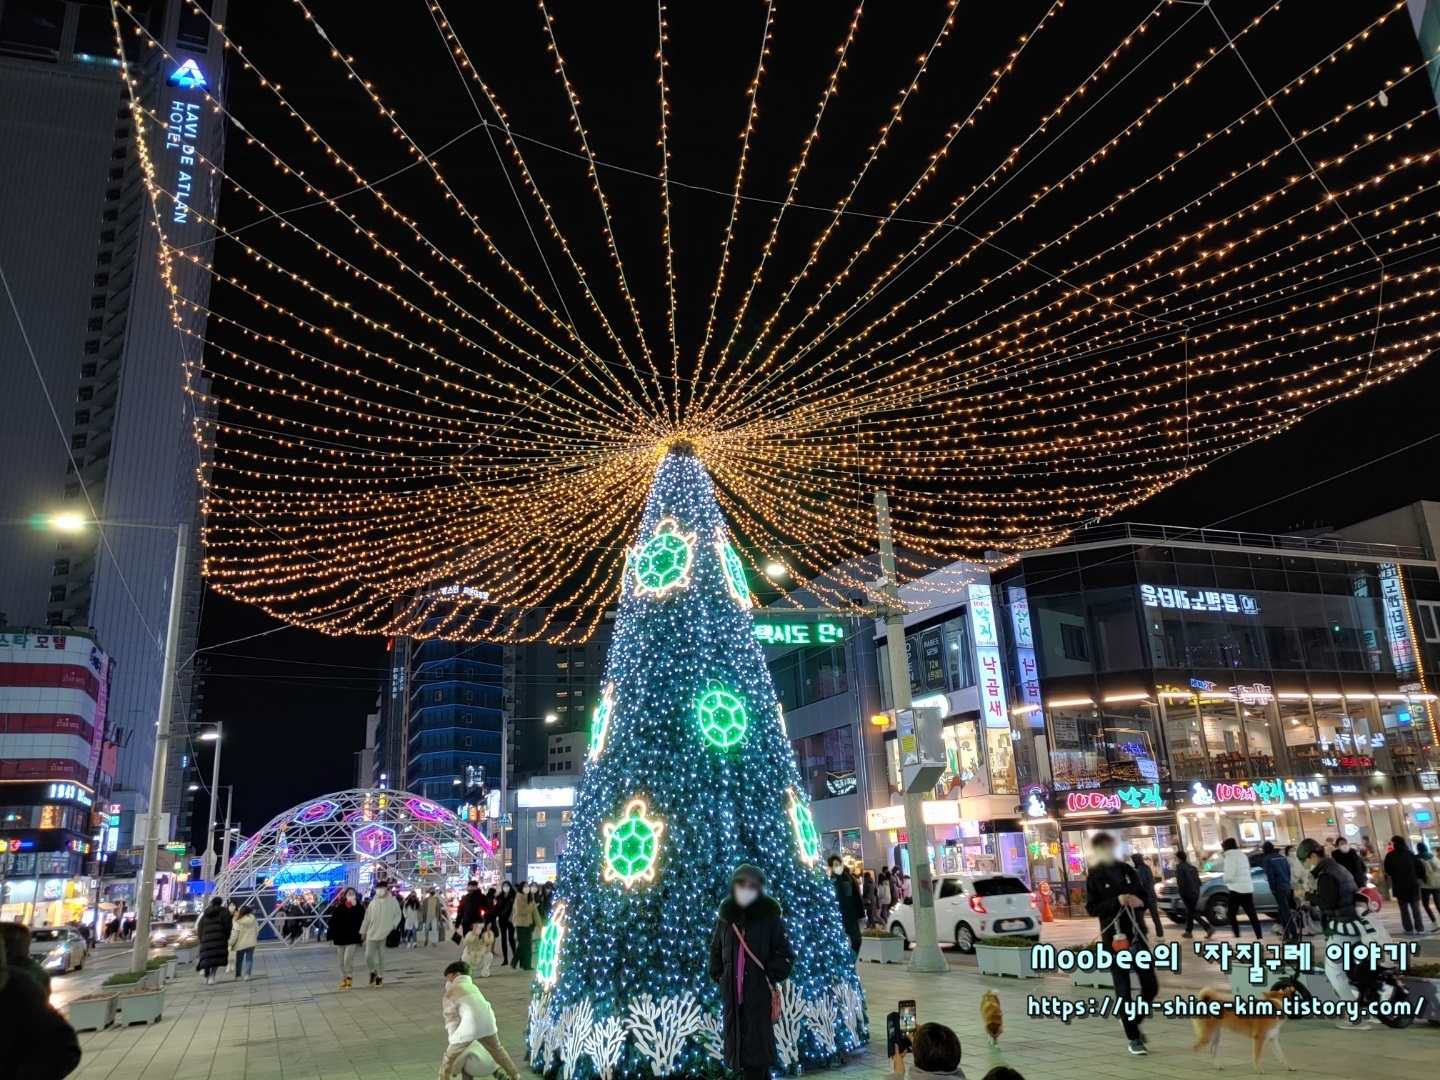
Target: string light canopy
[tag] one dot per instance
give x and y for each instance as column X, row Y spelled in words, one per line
column 449, row 344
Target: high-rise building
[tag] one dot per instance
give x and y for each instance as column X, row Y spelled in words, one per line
column 98, row 417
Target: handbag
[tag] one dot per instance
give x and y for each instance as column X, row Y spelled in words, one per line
column 455, row 937
column 774, row 990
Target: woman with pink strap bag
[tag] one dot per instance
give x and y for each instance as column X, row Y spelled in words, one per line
column 750, row 956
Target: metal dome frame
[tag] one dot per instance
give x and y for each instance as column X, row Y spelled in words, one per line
column 354, row 838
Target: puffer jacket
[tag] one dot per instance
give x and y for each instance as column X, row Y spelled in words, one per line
column 245, row 934
column 213, row 931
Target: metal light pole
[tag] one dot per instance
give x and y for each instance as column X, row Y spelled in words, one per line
column 145, row 885
column 207, row 865
column 225, row 839
column 927, row 955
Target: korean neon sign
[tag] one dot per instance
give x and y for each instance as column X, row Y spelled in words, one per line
column 1131, row 798
column 1175, row 599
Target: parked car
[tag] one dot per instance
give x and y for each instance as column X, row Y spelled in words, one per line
column 57, row 948
column 972, row 907
column 173, row 935
column 1215, row 898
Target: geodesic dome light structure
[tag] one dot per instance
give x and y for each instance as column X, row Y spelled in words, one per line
column 355, row 837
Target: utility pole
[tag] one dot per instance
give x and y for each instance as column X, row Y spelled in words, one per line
column 225, row 843
column 207, row 861
column 145, row 884
column 926, row 956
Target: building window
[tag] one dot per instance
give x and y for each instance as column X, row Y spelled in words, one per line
column 464, row 743
column 439, row 696
column 1429, row 620
column 827, row 762
column 77, row 441
column 57, row 594
column 1072, row 642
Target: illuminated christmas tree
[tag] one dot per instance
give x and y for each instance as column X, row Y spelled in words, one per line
column 690, row 774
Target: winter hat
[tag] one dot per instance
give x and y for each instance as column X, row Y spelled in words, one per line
column 746, row 872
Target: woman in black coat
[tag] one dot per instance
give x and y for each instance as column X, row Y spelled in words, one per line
column 1400, row 868
column 746, row 975
column 213, row 931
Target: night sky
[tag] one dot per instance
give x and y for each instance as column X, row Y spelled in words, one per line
column 293, row 700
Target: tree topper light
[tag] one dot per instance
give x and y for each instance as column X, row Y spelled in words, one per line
column 734, row 571
column 600, row 727
column 632, row 845
column 663, row 562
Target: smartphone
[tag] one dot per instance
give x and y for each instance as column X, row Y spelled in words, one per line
column 907, row 1017
column 896, row 1041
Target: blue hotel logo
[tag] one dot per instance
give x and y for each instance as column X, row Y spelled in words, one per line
column 189, row 77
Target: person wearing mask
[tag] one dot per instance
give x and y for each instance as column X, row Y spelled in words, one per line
column 1300, row 888
column 411, row 913
column 867, row 896
column 1428, row 872
column 504, row 910
column 478, row 949
column 40, row 1045
column 525, row 917
column 1350, row 859
column 1112, row 895
column 1235, row 866
column 898, row 882
column 936, row 1051
column 472, row 907
column 381, row 917
column 1334, row 890
column 1277, row 876
column 212, row 934
column 244, row 936
column 432, row 917
column 469, row 1019
column 346, row 916
column 1403, row 871
column 1147, row 893
column 848, row 897
column 1187, row 884
column 750, row 956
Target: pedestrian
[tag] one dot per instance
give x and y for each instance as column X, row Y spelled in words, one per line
column 212, row 934
column 504, row 909
column 412, row 920
column 471, row 907
column 1428, row 873
column 1404, row 870
column 15, row 936
column 1277, row 876
column 1235, row 865
column 234, row 910
column 935, row 1050
column 1335, row 892
column 469, row 1019
column 867, row 897
column 1112, row 892
column 1187, row 883
column 41, row 1045
column 478, row 949
column 244, row 936
column 1350, row 859
column 347, row 915
column 900, row 883
column 524, row 916
column 382, row 916
column 1147, row 886
column 884, row 894
column 432, row 917
column 847, row 895
column 750, row 955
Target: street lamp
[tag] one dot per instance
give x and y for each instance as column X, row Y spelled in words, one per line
column 551, row 718
column 207, row 866
column 145, row 885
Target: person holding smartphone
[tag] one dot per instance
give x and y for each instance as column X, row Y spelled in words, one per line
column 750, row 955
column 936, row 1051
column 1114, row 895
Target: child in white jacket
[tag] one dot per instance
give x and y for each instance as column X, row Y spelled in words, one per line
column 479, row 949
column 470, row 1019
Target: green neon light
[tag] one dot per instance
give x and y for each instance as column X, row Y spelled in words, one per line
column 601, row 725
column 799, row 633
column 734, row 572
column 663, row 562
column 722, row 717
column 632, row 845
column 805, row 832
column 547, row 953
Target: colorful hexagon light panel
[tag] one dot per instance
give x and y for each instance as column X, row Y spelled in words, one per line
column 426, row 810
column 316, row 812
column 373, row 841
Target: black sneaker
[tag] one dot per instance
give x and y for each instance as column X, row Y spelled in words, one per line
column 1137, row 1047
column 372, row 978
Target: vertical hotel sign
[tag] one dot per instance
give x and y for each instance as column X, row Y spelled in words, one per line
column 1397, row 620
column 182, row 134
column 989, row 674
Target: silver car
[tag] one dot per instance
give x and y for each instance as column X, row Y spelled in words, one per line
column 57, row 948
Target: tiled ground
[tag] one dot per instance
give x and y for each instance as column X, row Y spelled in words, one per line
column 290, row 1021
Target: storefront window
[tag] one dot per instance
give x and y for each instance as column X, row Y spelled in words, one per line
column 966, row 761
column 1116, row 743
column 1407, row 734
column 1003, row 779
column 1183, row 734
column 1302, row 743
column 827, row 762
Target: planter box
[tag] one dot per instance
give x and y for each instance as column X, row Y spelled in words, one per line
column 187, row 956
column 1098, row 979
column 154, row 979
column 141, row 1008
column 882, row 950
column 170, row 966
column 1005, row 960
column 95, row 1014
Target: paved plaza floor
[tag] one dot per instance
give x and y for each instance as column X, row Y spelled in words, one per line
column 291, row 1021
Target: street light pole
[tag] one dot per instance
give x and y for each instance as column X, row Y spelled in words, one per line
column 927, row 955
column 225, row 841
column 208, row 859
column 145, row 886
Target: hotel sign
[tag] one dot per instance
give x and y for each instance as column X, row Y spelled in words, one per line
column 1174, row 599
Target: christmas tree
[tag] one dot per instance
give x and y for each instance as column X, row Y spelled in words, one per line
column 690, row 774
